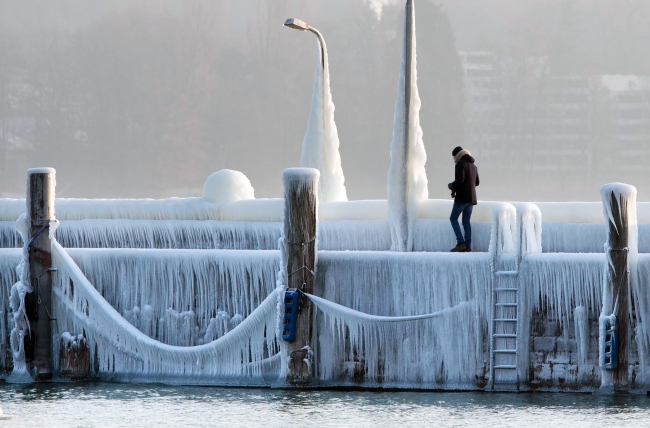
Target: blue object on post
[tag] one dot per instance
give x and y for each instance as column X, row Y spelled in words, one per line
column 291, row 300
column 611, row 344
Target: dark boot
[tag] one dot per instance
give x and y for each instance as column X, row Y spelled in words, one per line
column 460, row 248
column 467, row 249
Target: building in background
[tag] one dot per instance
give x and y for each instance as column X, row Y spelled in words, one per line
column 558, row 137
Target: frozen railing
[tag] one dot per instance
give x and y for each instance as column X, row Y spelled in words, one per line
column 504, row 222
column 528, row 231
column 228, row 216
column 244, row 355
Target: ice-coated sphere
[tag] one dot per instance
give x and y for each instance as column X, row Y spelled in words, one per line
column 227, row 186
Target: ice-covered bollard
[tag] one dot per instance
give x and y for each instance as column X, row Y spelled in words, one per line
column 621, row 249
column 38, row 303
column 74, row 356
column 299, row 247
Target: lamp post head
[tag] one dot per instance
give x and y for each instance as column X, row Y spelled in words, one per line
column 296, row 24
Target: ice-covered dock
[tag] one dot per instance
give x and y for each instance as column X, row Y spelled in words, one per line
column 312, row 290
column 186, row 291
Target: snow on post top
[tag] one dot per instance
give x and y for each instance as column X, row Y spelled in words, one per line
column 301, row 172
column 621, row 192
column 44, row 170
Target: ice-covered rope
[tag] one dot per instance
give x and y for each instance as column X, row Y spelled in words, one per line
column 334, row 309
column 139, row 354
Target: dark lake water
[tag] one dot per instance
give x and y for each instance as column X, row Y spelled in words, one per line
column 99, row 405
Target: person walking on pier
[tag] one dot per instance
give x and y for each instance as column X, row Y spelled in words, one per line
column 463, row 190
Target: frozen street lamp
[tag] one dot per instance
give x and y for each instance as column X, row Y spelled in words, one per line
column 297, row 24
column 320, row 147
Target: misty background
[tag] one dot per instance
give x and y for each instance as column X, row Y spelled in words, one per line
column 147, row 98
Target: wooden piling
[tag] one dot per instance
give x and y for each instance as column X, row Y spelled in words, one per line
column 38, row 303
column 618, row 279
column 300, row 223
column 74, row 357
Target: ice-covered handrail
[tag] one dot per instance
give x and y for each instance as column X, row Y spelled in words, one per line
column 331, row 308
column 504, row 217
column 238, row 353
column 529, row 230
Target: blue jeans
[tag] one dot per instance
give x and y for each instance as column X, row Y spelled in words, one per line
column 466, row 209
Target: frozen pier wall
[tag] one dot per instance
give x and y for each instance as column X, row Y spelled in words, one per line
column 196, row 299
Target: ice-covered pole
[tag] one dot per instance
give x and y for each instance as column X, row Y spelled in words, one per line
column 38, row 303
column 621, row 248
column 300, row 226
column 407, row 180
column 320, row 146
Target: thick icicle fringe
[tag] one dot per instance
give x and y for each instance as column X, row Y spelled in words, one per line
column 20, row 328
column 281, row 288
column 320, row 147
column 407, row 178
column 406, row 353
column 575, row 237
column 554, row 285
column 340, row 235
column 9, row 259
column 181, row 297
column 642, row 304
column 122, row 351
column 374, row 235
column 172, row 234
column 558, row 283
column 397, row 284
column 438, row 236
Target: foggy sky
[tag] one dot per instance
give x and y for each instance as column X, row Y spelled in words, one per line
column 147, row 98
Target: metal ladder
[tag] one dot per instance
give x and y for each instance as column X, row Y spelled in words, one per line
column 504, row 329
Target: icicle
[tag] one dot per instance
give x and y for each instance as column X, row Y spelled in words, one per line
column 170, row 284
column 446, row 350
column 20, row 373
column 581, row 323
column 407, row 179
column 243, row 355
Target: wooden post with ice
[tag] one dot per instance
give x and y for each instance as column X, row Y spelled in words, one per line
column 38, row 303
column 300, row 223
column 619, row 207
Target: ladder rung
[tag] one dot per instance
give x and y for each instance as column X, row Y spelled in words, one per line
column 505, row 320
column 506, row 273
column 505, row 289
column 502, row 367
column 507, row 305
column 505, row 351
column 503, row 335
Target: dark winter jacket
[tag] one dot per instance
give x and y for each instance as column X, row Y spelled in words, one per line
column 466, row 181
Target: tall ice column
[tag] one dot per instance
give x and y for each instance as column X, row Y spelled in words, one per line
column 407, row 179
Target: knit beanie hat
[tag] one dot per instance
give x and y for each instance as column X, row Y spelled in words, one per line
column 456, row 150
